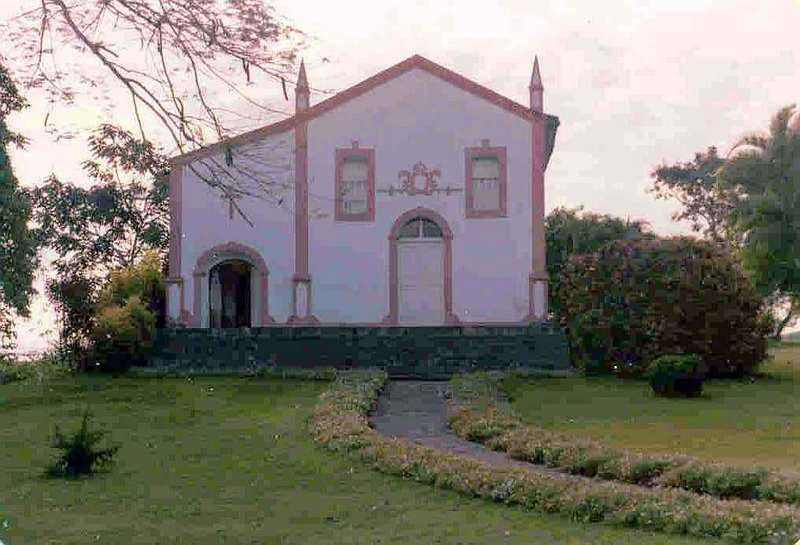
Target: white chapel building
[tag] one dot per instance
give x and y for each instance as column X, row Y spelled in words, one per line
column 415, row 197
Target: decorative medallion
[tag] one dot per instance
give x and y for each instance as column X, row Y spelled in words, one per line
column 420, row 180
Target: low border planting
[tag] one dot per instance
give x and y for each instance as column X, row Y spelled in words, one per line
column 478, row 413
column 340, row 423
column 256, row 370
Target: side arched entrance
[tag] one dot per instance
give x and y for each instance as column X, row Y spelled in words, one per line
column 231, row 288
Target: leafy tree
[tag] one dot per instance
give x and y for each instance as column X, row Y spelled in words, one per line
column 706, row 204
column 765, row 170
column 74, row 297
column 176, row 60
column 18, row 245
column 570, row 231
column 94, row 231
column 118, row 219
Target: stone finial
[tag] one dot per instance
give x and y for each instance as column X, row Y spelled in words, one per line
column 536, row 88
column 301, row 91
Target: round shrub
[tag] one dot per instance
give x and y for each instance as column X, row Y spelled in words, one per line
column 123, row 335
column 677, row 375
column 126, row 316
column 633, row 300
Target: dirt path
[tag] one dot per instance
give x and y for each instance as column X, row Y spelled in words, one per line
column 415, row 410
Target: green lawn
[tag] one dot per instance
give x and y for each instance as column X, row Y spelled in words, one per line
column 738, row 422
column 224, row 460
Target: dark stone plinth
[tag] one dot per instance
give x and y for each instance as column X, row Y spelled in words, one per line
column 425, row 352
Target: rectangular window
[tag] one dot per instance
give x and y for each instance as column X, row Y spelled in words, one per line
column 485, row 182
column 355, row 184
column 355, row 181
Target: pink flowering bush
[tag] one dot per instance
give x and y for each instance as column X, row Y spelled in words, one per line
column 340, row 423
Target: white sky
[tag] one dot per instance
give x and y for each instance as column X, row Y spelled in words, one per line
column 635, row 83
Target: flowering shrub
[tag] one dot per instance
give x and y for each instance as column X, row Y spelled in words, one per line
column 471, row 418
column 339, row 422
column 634, row 300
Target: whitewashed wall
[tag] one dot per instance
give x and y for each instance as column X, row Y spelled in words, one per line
column 418, row 117
column 206, row 221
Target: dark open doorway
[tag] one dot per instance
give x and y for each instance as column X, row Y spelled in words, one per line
column 229, row 294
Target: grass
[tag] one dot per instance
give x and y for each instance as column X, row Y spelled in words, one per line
column 226, row 460
column 735, row 421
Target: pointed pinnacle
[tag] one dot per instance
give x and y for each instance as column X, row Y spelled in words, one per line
column 536, row 77
column 302, row 80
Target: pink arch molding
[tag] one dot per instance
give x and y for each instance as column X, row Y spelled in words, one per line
column 225, row 252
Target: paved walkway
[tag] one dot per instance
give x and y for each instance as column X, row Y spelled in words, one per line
column 415, row 410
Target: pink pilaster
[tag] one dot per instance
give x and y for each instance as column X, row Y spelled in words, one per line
column 301, row 308
column 175, row 278
column 537, row 280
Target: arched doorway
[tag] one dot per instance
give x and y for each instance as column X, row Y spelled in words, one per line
column 420, row 270
column 231, row 288
column 229, row 294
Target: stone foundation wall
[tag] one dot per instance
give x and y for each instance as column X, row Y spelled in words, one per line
column 428, row 352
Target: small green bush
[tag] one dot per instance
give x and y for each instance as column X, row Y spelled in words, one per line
column 723, row 481
column 645, row 470
column 80, row 454
column 677, row 375
column 125, row 319
column 123, row 336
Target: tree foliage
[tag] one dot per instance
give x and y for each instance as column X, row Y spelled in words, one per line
column 123, row 215
column 74, row 298
column 91, row 232
column 705, row 203
column 632, row 301
column 571, row 231
column 765, row 170
column 18, row 245
column 178, row 61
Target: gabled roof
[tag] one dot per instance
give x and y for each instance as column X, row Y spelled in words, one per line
column 416, row 61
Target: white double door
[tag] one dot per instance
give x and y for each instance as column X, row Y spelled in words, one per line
column 421, row 281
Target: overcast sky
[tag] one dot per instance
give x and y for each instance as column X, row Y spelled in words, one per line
column 635, row 83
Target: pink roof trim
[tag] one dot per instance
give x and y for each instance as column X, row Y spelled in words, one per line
column 417, row 61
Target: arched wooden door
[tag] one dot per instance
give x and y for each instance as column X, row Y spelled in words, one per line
column 420, row 260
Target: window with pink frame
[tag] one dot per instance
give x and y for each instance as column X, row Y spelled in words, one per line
column 355, row 184
column 486, row 182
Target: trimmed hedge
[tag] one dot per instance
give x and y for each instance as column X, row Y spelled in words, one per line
column 634, row 300
column 483, row 418
column 674, row 375
column 339, row 423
